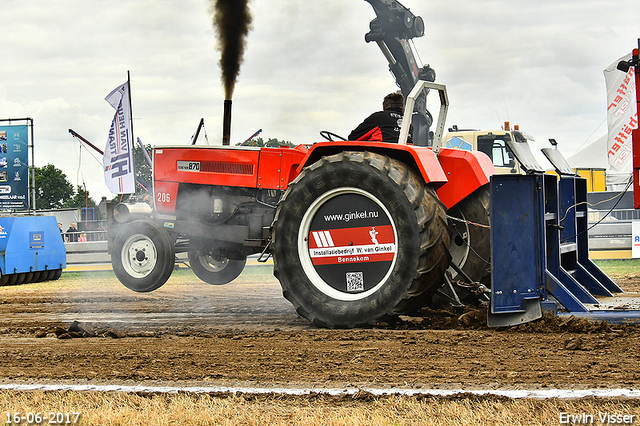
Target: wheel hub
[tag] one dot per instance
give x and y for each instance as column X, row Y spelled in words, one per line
column 213, row 264
column 139, row 255
column 459, row 246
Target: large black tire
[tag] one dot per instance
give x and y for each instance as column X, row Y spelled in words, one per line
column 470, row 245
column 359, row 237
column 53, row 274
column 28, row 278
column 143, row 256
column 20, row 278
column 211, row 266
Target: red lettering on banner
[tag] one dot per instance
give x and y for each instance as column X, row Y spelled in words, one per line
column 352, row 236
column 622, row 139
column 621, row 101
column 352, row 245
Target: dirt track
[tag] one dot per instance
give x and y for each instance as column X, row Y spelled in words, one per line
column 246, row 333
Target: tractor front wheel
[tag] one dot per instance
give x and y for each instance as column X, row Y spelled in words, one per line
column 143, row 256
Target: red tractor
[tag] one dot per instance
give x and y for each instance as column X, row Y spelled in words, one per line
column 358, row 231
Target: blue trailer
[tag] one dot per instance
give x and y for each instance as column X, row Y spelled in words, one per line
column 31, row 249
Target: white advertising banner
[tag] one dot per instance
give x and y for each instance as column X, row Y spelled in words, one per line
column 118, row 152
column 635, row 239
column 622, row 116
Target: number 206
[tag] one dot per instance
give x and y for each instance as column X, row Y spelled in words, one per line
column 164, row 197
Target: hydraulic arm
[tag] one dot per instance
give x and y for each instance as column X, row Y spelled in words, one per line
column 392, row 29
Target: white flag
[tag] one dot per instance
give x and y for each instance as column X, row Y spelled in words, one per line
column 622, row 116
column 118, row 153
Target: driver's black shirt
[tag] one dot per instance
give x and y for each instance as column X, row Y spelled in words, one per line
column 382, row 126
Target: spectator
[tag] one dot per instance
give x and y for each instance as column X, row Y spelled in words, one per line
column 102, row 231
column 72, row 233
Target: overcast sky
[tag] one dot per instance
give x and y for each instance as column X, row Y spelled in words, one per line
column 536, row 63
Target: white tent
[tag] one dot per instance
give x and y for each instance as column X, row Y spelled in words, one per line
column 594, row 156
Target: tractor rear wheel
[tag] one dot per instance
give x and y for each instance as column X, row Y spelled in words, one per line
column 211, row 266
column 143, row 256
column 470, row 246
column 359, row 237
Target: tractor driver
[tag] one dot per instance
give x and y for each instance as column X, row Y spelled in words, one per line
column 383, row 126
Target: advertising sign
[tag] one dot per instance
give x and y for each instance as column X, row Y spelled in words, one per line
column 635, row 239
column 622, row 116
column 347, row 232
column 14, row 167
column 118, row 153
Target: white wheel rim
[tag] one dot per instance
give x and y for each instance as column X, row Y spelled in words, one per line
column 304, row 253
column 139, row 255
column 459, row 253
column 211, row 264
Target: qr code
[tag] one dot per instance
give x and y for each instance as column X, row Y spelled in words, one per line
column 355, row 281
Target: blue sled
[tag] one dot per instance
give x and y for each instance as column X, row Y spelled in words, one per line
column 31, row 250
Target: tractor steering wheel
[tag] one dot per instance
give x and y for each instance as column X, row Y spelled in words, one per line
column 330, row 135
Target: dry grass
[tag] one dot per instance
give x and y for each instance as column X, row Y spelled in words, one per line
column 190, row 409
column 269, row 410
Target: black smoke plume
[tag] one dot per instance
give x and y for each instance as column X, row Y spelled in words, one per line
column 232, row 22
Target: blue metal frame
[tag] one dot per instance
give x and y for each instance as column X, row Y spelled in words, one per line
column 540, row 253
column 517, row 276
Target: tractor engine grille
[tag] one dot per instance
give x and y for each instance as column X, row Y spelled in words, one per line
column 231, row 168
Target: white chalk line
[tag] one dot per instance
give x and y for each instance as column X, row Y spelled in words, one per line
column 508, row 393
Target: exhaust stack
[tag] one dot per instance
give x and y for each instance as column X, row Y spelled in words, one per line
column 226, row 122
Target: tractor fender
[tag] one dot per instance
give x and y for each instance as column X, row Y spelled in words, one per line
column 423, row 159
column 466, row 171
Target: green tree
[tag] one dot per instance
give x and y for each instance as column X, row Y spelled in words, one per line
column 272, row 143
column 80, row 199
column 143, row 172
column 143, row 169
column 52, row 187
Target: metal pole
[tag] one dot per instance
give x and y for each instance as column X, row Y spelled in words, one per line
column 131, row 147
column 77, row 135
column 32, row 169
column 635, row 134
column 195, row 137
